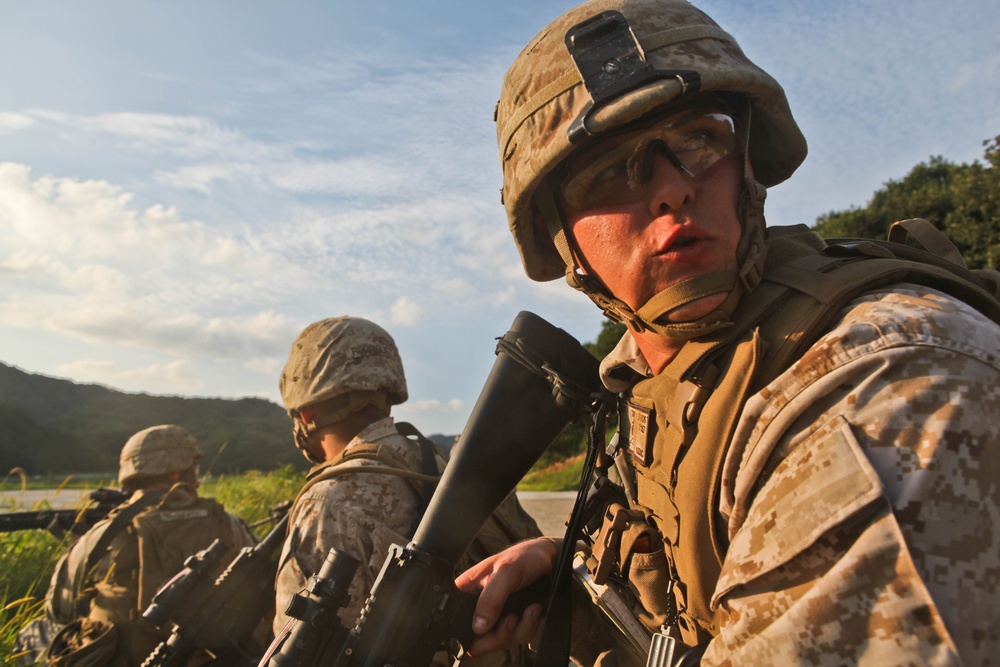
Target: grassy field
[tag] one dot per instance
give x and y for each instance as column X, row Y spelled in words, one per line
column 28, row 558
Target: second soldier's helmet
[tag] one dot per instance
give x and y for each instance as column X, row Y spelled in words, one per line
column 345, row 363
column 157, row 450
column 340, row 355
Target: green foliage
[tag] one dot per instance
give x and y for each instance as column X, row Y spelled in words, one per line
column 607, row 339
column 962, row 200
column 252, row 494
column 562, row 477
column 27, row 560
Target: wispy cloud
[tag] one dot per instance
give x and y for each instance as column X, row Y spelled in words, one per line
column 13, row 122
column 405, row 312
column 82, row 260
column 174, row 376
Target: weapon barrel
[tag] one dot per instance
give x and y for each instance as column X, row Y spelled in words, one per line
column 541, row 380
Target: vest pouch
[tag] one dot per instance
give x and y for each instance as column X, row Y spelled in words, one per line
column 649, row 577
column 171, row 532
column 86, row 643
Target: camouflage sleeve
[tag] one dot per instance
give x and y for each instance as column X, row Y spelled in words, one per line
column 361, row 514
column 862, row 496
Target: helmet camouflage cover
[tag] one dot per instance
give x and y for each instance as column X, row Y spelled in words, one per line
column 681, row 51
column 158, row 450
column 341, row 355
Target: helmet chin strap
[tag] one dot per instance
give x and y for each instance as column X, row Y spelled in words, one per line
column 750, row 252
column 334, row 411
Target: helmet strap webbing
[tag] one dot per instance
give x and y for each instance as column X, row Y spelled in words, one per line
column 333, row 411
column 613, row 308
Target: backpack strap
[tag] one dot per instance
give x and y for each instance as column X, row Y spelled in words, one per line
column 428, row 460
column 928, row 236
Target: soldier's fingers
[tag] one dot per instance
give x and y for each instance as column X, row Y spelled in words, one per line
column 529, row 626
column 496, row 590
column 500, row 637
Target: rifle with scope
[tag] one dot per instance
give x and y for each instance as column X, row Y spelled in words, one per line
column 59, row 522
column 541, row 380
column 218, row 617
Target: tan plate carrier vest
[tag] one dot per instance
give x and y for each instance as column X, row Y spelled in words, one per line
column 676, row 427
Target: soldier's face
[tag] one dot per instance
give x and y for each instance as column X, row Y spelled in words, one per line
column 681, row 223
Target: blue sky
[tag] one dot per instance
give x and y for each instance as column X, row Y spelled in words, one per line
column 185, row 185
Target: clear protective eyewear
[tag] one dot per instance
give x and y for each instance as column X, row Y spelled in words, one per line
column 617, row 170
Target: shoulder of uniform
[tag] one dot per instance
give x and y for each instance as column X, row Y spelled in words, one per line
column 909, row 313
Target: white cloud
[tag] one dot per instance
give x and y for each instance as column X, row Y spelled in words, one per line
column 80, row 259
column 269, row 366
column 405, row 312
column 976, row 73
column 12, row 122
column 439, row 407
column 174, row 376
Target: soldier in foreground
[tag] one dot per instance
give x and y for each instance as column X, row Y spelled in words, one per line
column 373, row 476
column 102, row 586
column 807, row 433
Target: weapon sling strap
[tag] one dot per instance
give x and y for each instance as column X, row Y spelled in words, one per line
column 554, row 648
column 118, row 523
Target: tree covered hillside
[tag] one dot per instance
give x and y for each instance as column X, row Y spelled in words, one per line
column 963, row 200
column 50, row 425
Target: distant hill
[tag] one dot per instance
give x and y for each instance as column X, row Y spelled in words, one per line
column 51, row 425
column 54, row 426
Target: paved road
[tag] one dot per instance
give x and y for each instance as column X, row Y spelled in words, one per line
column 19, row 501
column 550, row 510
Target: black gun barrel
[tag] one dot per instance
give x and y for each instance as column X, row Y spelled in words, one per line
column 541, row 380
column 517, row 416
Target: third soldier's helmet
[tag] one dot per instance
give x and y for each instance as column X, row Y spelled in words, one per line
column 605, row 64
column 157, row 450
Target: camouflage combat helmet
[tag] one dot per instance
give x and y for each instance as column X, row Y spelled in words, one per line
column 606, row 64
column 157, row 450
column 345, row 358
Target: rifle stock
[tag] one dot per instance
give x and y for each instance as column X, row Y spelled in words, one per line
column 541, row 380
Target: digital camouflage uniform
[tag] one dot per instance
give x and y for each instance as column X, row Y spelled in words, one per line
column 860, row 492
column 362, row 514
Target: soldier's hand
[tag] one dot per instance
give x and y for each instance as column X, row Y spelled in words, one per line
column 498, row 577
